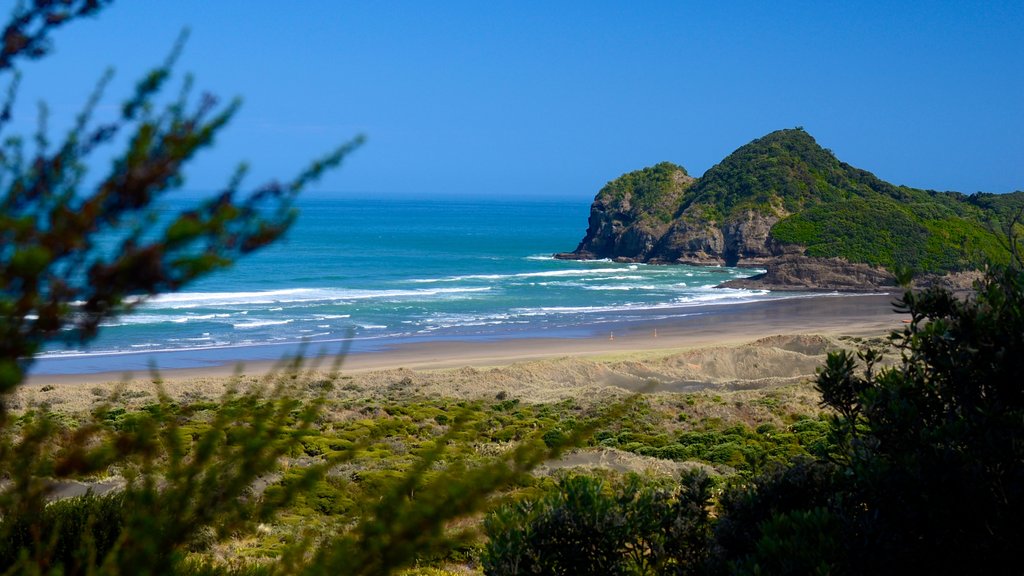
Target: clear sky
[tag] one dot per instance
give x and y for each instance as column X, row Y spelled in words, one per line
column 552, row 99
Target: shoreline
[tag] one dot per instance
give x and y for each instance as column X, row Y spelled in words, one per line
column 697, row 327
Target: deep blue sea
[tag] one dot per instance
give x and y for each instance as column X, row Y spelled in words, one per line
column 386, row 271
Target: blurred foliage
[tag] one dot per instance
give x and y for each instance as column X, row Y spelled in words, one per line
column 57, row 278
column 179, row 481
column 193, row 475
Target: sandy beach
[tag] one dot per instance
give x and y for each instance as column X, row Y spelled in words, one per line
column 735, row 345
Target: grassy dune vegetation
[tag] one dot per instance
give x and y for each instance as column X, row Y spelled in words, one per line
column 363, row 444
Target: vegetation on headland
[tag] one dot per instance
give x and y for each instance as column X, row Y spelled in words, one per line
column 652, row 193
column 812, row 200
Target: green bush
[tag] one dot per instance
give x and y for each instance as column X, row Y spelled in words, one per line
column 68, row 533
column 587, row 527
column 924, row 472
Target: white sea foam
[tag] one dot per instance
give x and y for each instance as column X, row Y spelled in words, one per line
column 628, row 277
column 440, row 320
column 190, row 318
column 261, row 323
column 186, row 300
column 132, row 319
column 197, row 299
column 603, row 287
column 541, row 274
column 412, row 294
column 720, row 296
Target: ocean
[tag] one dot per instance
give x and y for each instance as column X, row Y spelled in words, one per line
column 371, row 273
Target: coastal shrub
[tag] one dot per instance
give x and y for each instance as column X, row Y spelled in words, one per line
column 75, row 528
column 748, row 451
column 587, row 526
column 779, row 497
column 176, row 485
column 925, row 473
column 185, row 491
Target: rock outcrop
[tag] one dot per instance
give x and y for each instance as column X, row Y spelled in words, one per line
column 797, row 272
column 743, row 240
column 784, row 203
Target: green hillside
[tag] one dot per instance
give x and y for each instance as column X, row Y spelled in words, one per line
column 835, row 209
column 810, row 198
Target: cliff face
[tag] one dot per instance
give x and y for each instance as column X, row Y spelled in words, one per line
column 784, row 203
column 742, row 239
column 622, row 226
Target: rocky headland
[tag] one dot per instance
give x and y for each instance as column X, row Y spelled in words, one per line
column 784, row 203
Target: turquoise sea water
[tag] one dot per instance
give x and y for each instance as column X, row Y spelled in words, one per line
column 378, row 272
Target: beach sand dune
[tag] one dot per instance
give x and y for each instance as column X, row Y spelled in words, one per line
column 766, row 362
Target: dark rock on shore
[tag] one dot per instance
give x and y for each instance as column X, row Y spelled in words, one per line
column 795, row 272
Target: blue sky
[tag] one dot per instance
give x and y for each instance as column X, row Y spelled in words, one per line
column 553, row 99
